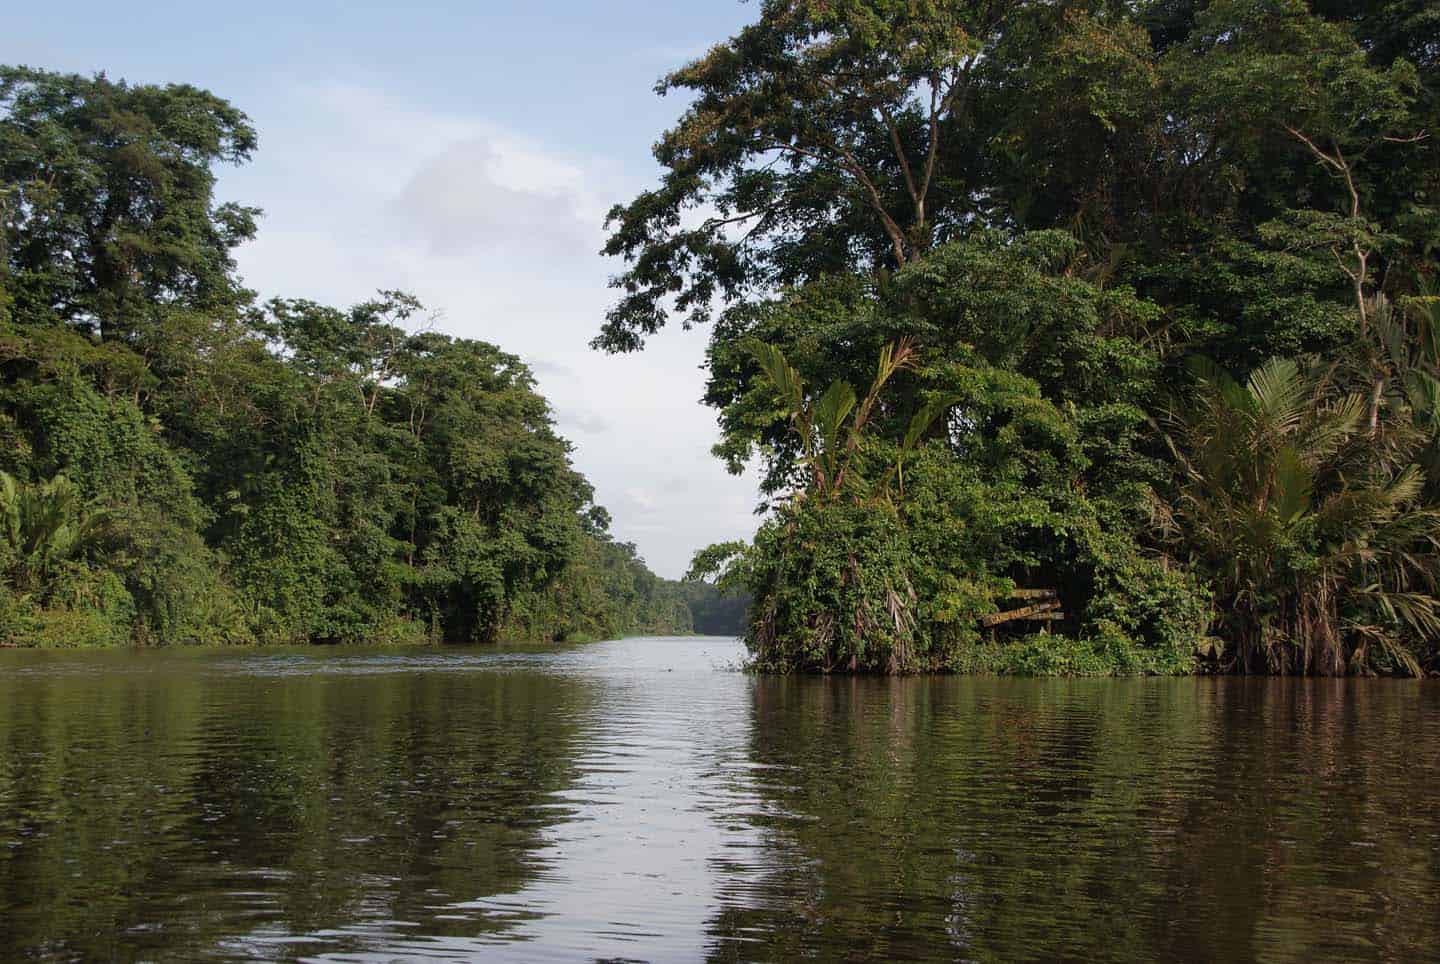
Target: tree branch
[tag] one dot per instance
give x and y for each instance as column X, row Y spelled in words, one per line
column 904, row 161
column 1362, row 256
column 897, row 236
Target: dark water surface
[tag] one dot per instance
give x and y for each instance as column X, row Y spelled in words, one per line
column 638, row 800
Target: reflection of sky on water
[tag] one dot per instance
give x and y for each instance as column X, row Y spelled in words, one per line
column 630, row 873
column 641, row 800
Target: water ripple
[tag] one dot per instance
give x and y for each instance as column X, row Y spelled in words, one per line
column 640, row 800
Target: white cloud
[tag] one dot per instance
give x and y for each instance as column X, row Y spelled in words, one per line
column 459, row 205
column 640, row 499
column 585, row 424
column 543, row 366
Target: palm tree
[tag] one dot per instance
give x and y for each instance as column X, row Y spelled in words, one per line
column 42, row 526
column 1402, row 359
column 1321, row 550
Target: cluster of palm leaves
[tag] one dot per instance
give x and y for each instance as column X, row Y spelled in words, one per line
column 43, row 526
column 1403, row 364
column 1302, row 494
column 832, row 426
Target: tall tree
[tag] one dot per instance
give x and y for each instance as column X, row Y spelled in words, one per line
column 108, row 205
column 823, row 136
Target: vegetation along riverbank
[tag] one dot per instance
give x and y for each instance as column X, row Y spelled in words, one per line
column 185, row 465
column 1074, row 338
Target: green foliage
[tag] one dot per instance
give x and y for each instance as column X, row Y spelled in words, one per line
column 107, row 197
column 894, row 579
column 1321, row 550
column 188, row 467
column 1107, row 190
column 604, row 592
column 831, row 427
column 977, row 308
column 832, row 590
column 50, row 594
column 716, row 611
column 45, row 526
column 814, row 135
column 107, row 446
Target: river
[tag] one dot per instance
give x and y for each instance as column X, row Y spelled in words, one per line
column 643, row 800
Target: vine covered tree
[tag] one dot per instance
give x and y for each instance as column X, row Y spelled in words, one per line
column 1056, row 206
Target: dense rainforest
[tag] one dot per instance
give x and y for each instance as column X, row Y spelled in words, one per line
column 1092, row 336
column 183, row 464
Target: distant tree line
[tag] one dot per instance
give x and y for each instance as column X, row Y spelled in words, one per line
column 184, row 464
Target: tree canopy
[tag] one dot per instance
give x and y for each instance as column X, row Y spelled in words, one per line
column 1061, row 210
column 184, row 464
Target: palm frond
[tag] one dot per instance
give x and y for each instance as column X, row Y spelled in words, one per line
column 831, row 410
column 1279, row 391
column 1293, row 485
column 781, row 375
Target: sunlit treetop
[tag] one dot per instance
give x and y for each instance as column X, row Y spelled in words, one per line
column 108, row 203
column 822, row 137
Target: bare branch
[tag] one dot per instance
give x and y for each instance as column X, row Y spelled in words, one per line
column 897, row 236
column 1339, row 162
column 900, row 156
column 1314, row 148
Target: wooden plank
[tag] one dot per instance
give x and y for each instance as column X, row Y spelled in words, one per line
column 1025, row 612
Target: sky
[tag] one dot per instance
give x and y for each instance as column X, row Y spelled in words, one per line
column 466, row 153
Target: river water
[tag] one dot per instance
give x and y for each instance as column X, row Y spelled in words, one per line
column 642, row 800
